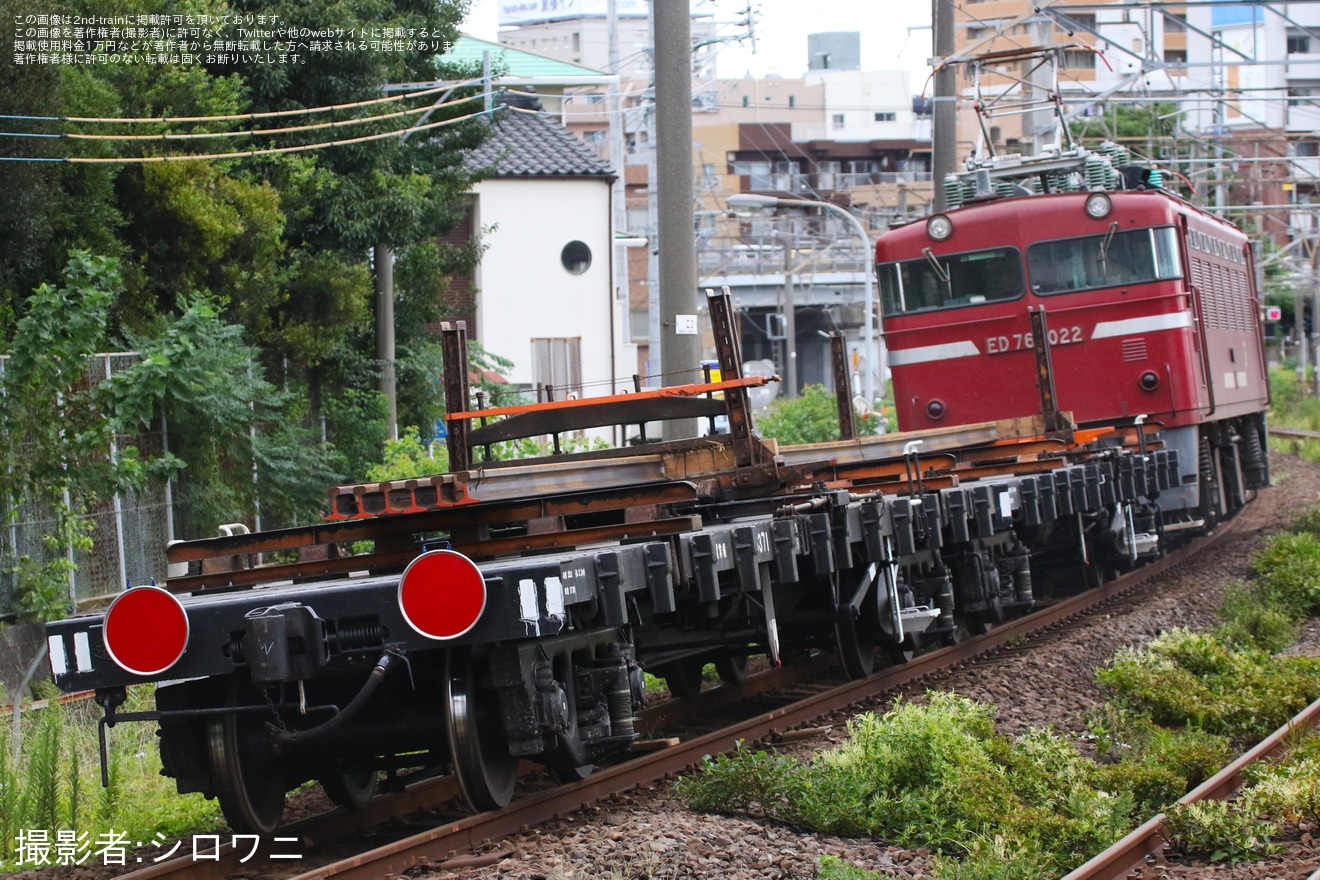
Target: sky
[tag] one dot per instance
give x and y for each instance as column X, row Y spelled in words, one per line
column 782, row 26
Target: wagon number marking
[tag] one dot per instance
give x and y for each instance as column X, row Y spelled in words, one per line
column 1020, row 341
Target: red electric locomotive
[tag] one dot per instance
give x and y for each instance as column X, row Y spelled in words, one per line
column 1124, row 306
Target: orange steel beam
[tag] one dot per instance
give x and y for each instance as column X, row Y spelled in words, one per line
column 652, row 394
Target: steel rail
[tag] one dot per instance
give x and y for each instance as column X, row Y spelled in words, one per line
column 1293, row 433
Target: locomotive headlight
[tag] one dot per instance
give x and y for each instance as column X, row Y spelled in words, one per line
column 935, row 409
column 1149, row 381
column 939, row 227
column 1098, row 205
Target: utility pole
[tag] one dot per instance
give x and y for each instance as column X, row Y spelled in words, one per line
column 618, row 191
column 789, row 309
column 1042, row 120
column 680, row 344
column 944, row 115
column 383, row 257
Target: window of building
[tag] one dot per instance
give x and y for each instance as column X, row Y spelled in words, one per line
column 1302, row 94
column 747, row 101
column 882, row 116
column 757, row 174
column 1175, row 22
column 708, row 174
column 1175, row 57
column 576, row 257
column 1083, row 22
column 827, row 174
column 557, row 362
column 1299, row 42
column 792, row 101
column 838, row 120
column 639, row 325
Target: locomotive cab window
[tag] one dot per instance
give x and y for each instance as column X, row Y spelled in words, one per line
column 1111, row 259
column 950, row 280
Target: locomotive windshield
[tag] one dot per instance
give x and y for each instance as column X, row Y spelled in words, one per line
column 950, row 280
column 1108, row 260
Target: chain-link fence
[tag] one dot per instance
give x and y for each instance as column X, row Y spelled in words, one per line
column 129, row 531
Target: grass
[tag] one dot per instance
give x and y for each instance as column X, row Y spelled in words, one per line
column 50, row 782
column 1293, row 406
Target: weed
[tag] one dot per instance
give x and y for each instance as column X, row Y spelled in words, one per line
column 42, row 794
column 1288, row 792
column 835, row 868
column 1200, row 681
column 992, row 859
column 1307, row 521
column 937, row 775
column 1288, row 572
column 1249, row 621
column 10, row 792
column 1218, row 831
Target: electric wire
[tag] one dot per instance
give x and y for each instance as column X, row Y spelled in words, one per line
column 176, row 136
column 244, row 154
column 264, row 114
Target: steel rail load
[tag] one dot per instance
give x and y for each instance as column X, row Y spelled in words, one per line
column 506, row 610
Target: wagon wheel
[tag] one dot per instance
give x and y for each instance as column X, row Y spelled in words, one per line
column 683, row 677
column 248, row 779
column 478, row 746
column 731, row 668
column 897, row 653
column 351, row 789
column 856, row 633
column 855, row 638
column 567, row 759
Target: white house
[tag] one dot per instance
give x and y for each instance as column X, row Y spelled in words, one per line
column 545, row 288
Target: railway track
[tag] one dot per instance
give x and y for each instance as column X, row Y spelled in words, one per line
column 1293, row 433
column 450, row 839
column 1148, row 842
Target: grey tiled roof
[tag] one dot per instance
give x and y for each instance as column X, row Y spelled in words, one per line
column 525, row 144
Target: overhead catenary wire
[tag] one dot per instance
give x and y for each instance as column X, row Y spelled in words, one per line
column 244, row 154
column 229, row 117
column 176, row 136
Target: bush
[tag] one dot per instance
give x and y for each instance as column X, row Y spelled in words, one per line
column 1307, row 521
column 1197, row 680
column 811, row 418
column 1288, row 572
column 1250, row 622
column 1287, row 792
column 1217, row 831
column 935, row 775
column 1157, row 765
column 835, row 868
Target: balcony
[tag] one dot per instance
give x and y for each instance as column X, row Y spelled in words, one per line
column 765, row 255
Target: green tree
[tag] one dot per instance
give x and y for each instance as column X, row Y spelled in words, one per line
column 54, row 436
column 262, row 262
column 1128, row 122
column 241, row 440
column 811, row 418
